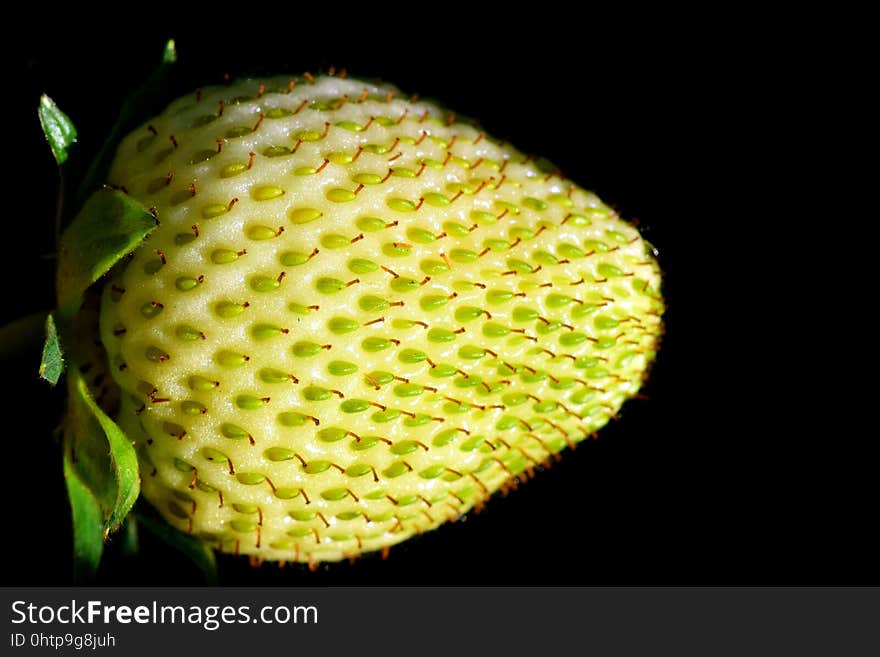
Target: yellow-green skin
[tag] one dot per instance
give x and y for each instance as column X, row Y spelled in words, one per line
column 396, row 317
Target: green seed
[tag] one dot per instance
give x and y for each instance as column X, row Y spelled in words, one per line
column 214, row 456
column 432, row 472
column 443, row 438
column 396, row 249
column 316, row 393
column 214, row 210
column 534, row 203
column 334, row 241
column 292, row 419
column 375, row 343
column 385, row 416
column 266, row 192
column 369, row 224
column 193, row 408
column 342, row 325
column 276, row 151
column 471, row 352
column 233, row 431
column 442, row 370
column 223, row 256
column 201, row 384
column 341, row 368
column 354, row 406
column 266, row 331
column 250, row 478
column 264, row 283
column 304, row 215
column 371, row 303
column 367, row 179
column 332, row 434
column 440, row 335
column 408, row 390
column 462, row 255
column 362, row 266
column 570, row 251
column 432, row 302
column 403, row 284
column 396, row 469
column 279, row 454
column 317, row 467
column 497, row 297
column 604, row 322
column 150, row 310
column 357, row 470
column 455, row 229
column 558, row 300
column 412, row 356
column 334, row 494
column 232, row 170
column 243, row 526
column 294, row 258
column 483, row 218
column 609, row 271
column 434, row 267
column 271, row 375
column 339, row 195
column 229, row 309
column 572, row 339
column 420, row 235
column 260, row 233
column 326, row 285
column 524, row 314
column 228, row 358
column 437, row 200
column 401, row 204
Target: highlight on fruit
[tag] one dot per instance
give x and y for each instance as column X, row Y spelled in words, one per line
column 308, row 317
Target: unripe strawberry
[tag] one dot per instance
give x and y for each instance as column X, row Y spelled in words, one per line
column 359, row 317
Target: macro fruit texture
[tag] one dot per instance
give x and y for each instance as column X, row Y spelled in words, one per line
column 359, row 316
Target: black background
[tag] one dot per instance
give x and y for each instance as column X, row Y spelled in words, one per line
column 717, row 478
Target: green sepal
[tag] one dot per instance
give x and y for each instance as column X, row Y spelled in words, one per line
column 109, row 226
column 22, row 335
column 169, row 53
column 58, row 129
column 122, row 456
column 143, row 103
column 52, row 362
column 129, row 537
column 88, row 524
column 191, row 547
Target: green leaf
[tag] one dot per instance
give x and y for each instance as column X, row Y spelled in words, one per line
column 143, row 103
column 52, row 363
column 58, row 129
column 195, row 550
column 88, row 543
column 110, row 225
column 21, row 336
column 123, row 457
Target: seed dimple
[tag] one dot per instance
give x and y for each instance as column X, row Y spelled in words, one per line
column 151, row 309
column 156, row 355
